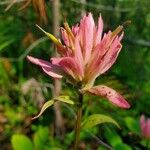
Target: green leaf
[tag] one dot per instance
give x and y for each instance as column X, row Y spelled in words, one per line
column 145, row 143
column 41, row 138
column 45, row 106
column 55, row 148
column 115, row 140
column 65, row 99
column 5, row 44
column 133, row 124
column 112, row 137
column 21, row 142
column 97, row 119
column 122, row 146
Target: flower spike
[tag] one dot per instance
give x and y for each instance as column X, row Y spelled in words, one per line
column 85, row 54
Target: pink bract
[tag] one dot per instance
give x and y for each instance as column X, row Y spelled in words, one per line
column 85, row 55
column 145, row 127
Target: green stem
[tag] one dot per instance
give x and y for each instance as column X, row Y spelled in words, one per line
column 78, row 122
column 147, row 144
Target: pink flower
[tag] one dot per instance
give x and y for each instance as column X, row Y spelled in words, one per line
column 85, row 55
column 145, row 127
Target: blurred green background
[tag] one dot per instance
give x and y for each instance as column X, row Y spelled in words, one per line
column 24, row 87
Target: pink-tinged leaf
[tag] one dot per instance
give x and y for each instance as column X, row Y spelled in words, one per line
column 45, row 106
column 50, row 69
column 110, row 94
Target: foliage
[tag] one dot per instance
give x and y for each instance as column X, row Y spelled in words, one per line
column 21, row 142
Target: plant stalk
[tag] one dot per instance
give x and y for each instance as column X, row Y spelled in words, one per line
column 147, row 144
column 78, row 122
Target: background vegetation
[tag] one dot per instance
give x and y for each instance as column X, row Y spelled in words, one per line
column 24, row 88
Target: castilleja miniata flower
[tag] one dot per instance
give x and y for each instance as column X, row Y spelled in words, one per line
column 84, row 55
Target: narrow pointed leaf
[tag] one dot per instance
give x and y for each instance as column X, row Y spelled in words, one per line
column 65, row 99
column 110, row 94
column 45, row 106
column 97, row 119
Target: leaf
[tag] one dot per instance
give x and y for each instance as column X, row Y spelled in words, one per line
column 122, row 146
column 133, row 124
column 21, row 142
column 41, row 138
column 115, row 140
column 45, row 106
column 97, row 119
column 112, row 137
column 65, row 99
column 5, row 44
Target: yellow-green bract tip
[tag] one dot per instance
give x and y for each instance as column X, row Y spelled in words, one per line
column 53, row 38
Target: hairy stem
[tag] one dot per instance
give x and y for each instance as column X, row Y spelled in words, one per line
column 78, row 122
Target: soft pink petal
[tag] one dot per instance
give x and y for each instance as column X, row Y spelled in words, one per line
column 94, row 67
column 47, row 67
column 56, row 60
column 86, row 33
column 105, row 54
column 39, row 62
column 49, row 71
column 110, row 59
column 143, row 125
column 111, row 55
column 110, row 94
column 99, row 31
column 148, row 128
column 75, row 29
column 99, row 51
column 78, row 53
column 64, row 36
column 70, row 66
